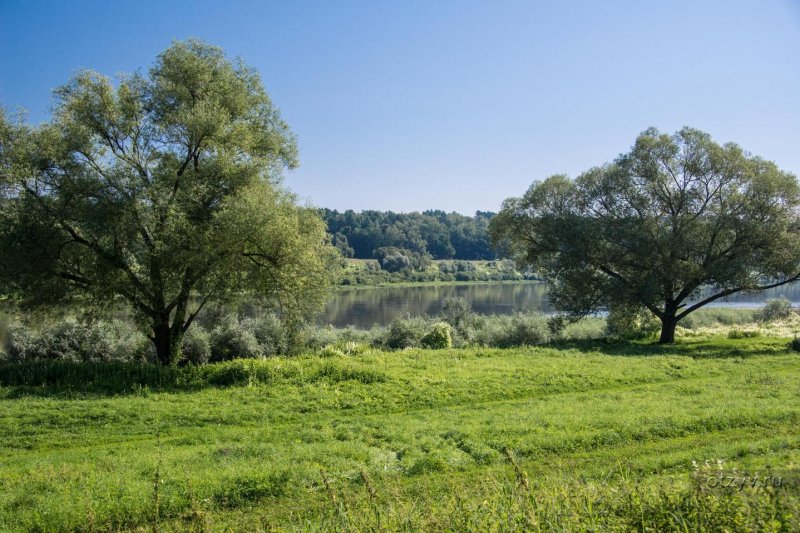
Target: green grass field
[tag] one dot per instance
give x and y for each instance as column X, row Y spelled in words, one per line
column 580, row 436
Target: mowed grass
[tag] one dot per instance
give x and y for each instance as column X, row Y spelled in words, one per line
column 582, row 435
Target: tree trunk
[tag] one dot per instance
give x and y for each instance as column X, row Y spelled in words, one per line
column 668, row 323
column 167, row 343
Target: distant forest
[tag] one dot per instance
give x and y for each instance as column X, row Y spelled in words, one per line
column 435, row 233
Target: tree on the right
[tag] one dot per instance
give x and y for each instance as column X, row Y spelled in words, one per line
column 674, row 224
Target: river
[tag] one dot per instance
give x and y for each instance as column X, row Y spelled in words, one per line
column 364, row 307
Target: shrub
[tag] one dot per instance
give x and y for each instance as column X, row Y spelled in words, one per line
column 352, row 348
column 775, row 309
column 586, row 328
column 269, row 332
column 631, row 322
column 438, row 337
column 718, row 316
column 458, row 313
column 465, row 266
column 232, row 341
column 504, row 331
column 331, row 351
column 318, row 337
column 743, row 333
column 448, row 267
column 24, row 344
column 196, row 346
column 795, row 344
column 78, row 342
column 404, row 333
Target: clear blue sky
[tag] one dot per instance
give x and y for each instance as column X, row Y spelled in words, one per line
column 453, row 105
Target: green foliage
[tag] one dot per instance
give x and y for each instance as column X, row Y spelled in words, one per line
column 55, row 377
column 437, row 338
column 393, row 259
column 743, row 333
column 196, row 346
column 716, row 316
column 69, row 340
column 404, row 333
column 315, row 338
column 369, row 272
column 395, row 262
column 232, row 340
column 240, row 490
column 507, row 331
column 629, row 322
column 775, row 309
column 161, row 191
column 436, row 233
column 458, row 313
column 601, row 436
column 331, row 351
column 675, row 223
column 270, row 333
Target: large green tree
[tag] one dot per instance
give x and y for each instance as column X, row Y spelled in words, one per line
column 672, row 225
column 161, row 190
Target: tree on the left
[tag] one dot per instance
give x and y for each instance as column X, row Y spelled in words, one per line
column 160, row 190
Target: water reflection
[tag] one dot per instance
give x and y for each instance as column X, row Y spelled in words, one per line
column 365, row 307
column 368, row 306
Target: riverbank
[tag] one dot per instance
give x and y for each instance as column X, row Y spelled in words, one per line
column 578, row 436
column 370, row 272
column 412, row 284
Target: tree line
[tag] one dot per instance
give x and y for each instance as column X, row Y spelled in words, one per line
column 431, row 233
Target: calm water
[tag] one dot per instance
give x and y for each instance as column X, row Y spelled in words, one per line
column 366, row 307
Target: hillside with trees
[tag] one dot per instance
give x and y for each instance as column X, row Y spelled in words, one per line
column 433, row 233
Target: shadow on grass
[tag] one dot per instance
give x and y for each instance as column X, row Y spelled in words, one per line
column 701, row 348
column 69, row 379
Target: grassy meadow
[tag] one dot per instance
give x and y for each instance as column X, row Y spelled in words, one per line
column 580, row 435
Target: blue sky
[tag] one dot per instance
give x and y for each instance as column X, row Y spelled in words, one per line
column 452, row 105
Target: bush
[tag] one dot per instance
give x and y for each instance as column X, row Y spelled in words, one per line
column 775, row 309
column 330, row 351
column 78, row 342
column 631, row 322
column 269, row 332
column 743, row 334
column 795, row 344
column 438, row 337
column 448, row 267
column 458, row 313
column 315, row 338
column 231, row 340
column 24, row 344
column 404, row 333
column 712, row 317
column 196, row 346
column 395, row 263
column 503, row 331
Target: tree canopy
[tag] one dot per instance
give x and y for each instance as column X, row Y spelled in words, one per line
column 162, row 191
column 436, row 233
column 674, row 224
